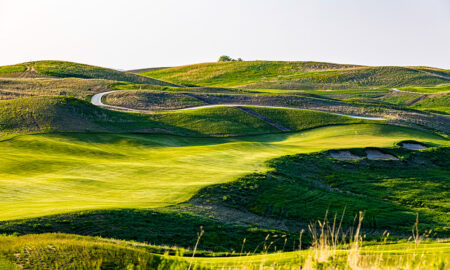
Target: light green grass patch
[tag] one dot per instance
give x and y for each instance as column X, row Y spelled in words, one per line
column 12, row 69
column 427, row 89
column 298, row 119
column 49, row 174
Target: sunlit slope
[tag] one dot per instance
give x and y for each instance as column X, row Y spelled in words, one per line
column 299, row 75
column 63, row 69
column 65, row 114
column 62, row 114
column 47, row 174
column 50, row 251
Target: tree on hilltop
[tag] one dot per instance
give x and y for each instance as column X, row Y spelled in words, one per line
column 226, row 58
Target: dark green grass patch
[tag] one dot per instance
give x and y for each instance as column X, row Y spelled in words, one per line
column 166, row 228
column 296, row 119
column 65, row 114
column 390, row 192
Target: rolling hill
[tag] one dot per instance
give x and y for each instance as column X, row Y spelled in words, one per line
column 299, row 75
column 68, row 114
column 62, row 69
column 251, row 164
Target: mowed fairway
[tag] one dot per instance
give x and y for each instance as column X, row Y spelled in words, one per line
column 56, row 173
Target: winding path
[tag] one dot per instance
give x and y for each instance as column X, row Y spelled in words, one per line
column 410, row 92
column 97, row 100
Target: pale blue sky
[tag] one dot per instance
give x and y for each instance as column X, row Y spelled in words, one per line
column 148, row 33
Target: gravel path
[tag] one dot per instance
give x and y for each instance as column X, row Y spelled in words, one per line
column 97, row 100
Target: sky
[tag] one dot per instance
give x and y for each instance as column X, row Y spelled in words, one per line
column 153, row 33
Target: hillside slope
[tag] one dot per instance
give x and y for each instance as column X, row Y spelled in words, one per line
column 299, row 75
column 57, row 251
column 67, row 114
column 390, row 191
column 62, row 69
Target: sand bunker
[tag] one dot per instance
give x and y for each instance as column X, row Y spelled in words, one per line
column 377, row 154
column 343, row 154
column 414, row 146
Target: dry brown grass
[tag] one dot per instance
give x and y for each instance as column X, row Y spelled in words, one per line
column 11, row 88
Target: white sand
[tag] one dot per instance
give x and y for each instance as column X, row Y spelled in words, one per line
column 343, row 154
column 377, row 154
column 413, row 146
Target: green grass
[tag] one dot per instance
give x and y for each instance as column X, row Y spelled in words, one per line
column 156, row 100
column 303, row 187
column 297, row 119
column 11, row 88
column 400, row 98
column 165, row 228
column 434, row 103
column 56, row 114
column 237, row 73
column 403, row 255
column 59, row 251
column 62, row 69
column 53, row 251
column 12, row 69
column 297, row 75
column 68, row 166
column 49, row 174
column 427, row 89
column 217, row 121
column 66, row 114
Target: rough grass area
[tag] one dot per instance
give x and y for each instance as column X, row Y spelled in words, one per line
column 390, row 192
column 396, row 113
column 438, row 103
column 159, row 227
column 60, row 251
column 297, row 119
column 51, row 114
column 434, row 103
column 155, row 100
column 238, row 73
column 427, row 89
column 297, row 75
column 399, row 98
column 65, row 114
column 49, row 174
column 62, row 69
column 53, row 251
column 11, row 88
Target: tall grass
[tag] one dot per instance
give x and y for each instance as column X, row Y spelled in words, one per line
column 332, row 248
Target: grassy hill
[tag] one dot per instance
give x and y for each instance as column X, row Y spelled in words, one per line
column 165, row 228
column 66, row 114
column 435, row 103
column 390, row 192
column 299, row 75
column 62, row 69
column 59, row 173
column 53, row 251
column 251, row 177
column 11, row 88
